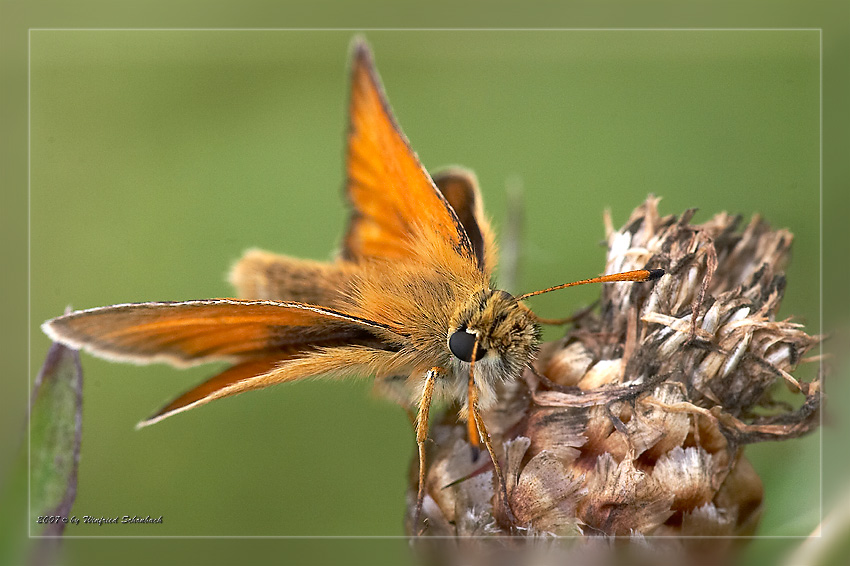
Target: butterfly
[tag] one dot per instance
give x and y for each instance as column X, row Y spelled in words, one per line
column 410, row 295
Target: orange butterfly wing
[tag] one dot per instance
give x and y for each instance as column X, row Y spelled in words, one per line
column 206, row 391
column 192, row 332
column 393, row 198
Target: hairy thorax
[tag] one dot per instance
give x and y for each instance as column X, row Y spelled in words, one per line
column 502, row 334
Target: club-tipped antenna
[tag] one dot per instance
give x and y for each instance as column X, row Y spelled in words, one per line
column 638, row 276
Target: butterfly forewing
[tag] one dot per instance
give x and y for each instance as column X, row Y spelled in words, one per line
column 186, row 333
column 393, row 199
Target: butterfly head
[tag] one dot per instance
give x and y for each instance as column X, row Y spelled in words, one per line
column 505, row 332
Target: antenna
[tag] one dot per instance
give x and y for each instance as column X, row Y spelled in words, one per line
column 639, row 276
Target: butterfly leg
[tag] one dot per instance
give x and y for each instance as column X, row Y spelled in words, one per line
column 485, row 437
column 422, row 435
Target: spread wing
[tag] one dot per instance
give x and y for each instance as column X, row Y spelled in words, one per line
column 394, row 201
column 193, row 332
column 216, row 387
column 269, row 342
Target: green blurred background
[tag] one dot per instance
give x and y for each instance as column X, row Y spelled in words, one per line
column 157, row 157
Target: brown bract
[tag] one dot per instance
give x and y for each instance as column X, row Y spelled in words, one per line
column 633, row 425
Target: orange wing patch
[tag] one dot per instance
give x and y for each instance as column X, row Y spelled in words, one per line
column 340, row 362
column 198, row 394
column 393, row 198
column 192, row 332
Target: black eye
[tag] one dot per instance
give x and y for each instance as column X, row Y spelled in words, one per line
column 461, row 344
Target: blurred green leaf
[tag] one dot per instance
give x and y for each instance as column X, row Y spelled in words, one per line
column 55, row 433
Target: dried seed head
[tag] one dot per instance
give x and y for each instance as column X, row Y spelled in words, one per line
column 634, row 423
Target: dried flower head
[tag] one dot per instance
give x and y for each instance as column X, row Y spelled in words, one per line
column 634, row 423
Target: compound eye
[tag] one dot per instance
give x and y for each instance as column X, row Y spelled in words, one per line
column 461, row 343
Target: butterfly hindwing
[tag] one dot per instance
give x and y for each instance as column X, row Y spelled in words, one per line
column 459, row 186
column 269, row 276
column 201, row 393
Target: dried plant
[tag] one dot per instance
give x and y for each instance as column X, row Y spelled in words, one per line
column 633, row 425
